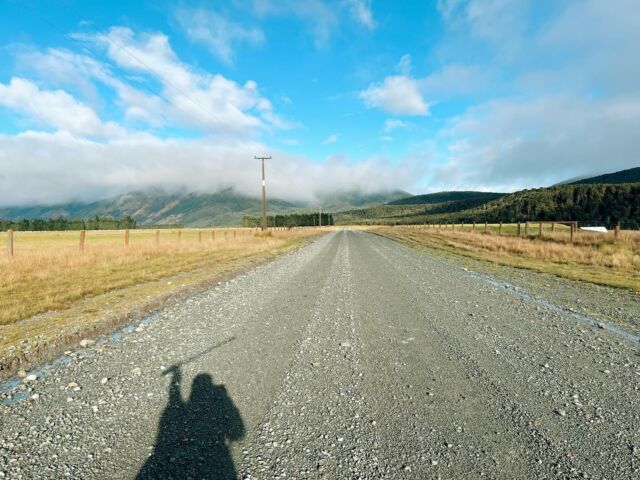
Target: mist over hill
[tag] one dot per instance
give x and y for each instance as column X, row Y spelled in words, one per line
column 224, row 208
column 631, row 175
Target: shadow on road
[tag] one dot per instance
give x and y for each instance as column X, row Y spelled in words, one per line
column 194, row 435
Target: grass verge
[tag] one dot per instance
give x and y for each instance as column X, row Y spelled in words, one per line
column 595, row 258
column 51, row 295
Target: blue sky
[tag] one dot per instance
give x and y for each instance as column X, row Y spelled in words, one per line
column 100, row 98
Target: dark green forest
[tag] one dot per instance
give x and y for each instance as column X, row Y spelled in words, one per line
column 291, row 220
column 60, row 223
column 604, row 204
column 632, row 175
column 471, row 198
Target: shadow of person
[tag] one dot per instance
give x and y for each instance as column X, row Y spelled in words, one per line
column 193, row 436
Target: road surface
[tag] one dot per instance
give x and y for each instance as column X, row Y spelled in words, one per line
column 353, row 357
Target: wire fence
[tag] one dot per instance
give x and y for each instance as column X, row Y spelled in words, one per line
column 570, row 228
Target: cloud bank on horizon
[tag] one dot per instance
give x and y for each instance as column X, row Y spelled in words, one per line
column 98, row 100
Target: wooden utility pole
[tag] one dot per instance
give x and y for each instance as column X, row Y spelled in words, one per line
column 264, row 193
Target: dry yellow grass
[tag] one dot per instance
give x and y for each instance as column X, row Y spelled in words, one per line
column 48, row 272
column 52, row 295
column 595, row 258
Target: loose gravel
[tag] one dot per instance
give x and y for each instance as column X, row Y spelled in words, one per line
column 354, row 357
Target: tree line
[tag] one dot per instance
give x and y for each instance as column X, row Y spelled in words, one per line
column 61, row 223
column 289, row 220
column 604, row 204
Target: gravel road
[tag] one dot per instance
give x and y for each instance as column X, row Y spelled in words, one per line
column 353, row 357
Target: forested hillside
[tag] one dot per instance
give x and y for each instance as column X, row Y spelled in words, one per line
column 631, row 175
column 473, row 198
column 605, row 204
column 428, row 204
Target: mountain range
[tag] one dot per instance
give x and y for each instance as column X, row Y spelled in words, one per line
column 575, row 198
column 605, row 199
column 224, row 208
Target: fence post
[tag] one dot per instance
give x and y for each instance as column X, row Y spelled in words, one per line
column 179, row 235
column 617, row 231
column 486, row 227
column 126, row 237
column 518, row 229
column 573, row 226
column 213, row 235
column 199, row 236
column 526, row 228
column 540, row 233
column 10, row 242
column 553, row 227
column 82, row 235
column 500, row 229
column 474, row 226
column 157, row 237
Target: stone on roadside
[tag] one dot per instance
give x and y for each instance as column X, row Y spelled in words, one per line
column 86, row 343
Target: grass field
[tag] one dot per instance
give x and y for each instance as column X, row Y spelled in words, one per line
column 70, row 289
column 596, row 258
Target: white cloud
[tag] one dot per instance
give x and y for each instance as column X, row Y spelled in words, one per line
column 404, row 65
column 391, row 124
column 565, row 97
column 197, row 99
column 501, row 23
column 361, row 12
column 39, row 167
column 333, row 138
column 217, row 32
column 55, row 109
column 322, row 20
column 455, row 80
column 398, row 95
column 386, row 138
column 404, row 95
column 509, row 144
